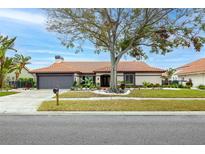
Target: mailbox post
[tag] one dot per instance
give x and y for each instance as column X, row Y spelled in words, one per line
column 56, row 91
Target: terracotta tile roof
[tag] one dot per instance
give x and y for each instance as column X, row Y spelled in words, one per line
column 193, row 67
column 92, row 67
column 131, row 67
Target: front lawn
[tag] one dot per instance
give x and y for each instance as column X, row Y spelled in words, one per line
column 6, row 93
column 80, row 94
column 124, row 105
column 156, row 93
column 159, row 93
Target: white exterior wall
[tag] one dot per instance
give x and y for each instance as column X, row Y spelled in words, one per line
column 139, row 78
column 120, row 78
column 197, row 79
column 148, row 77
column 77, row 78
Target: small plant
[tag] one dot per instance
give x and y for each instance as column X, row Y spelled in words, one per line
column 201, row 87
column 181, row 86
column 146, row 84
column 122, row 86
column 157, row 85
column 7, row 87
column 74, row 84
column 88, row 83
column 189, row 83
column 25, row 83
column 151, row 85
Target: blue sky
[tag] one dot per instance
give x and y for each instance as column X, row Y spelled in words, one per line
column 28, row 25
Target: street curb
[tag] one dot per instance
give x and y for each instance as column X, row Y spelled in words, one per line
column 109, row 113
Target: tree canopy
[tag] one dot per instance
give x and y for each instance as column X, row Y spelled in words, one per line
column 128, row 31
column 6, row 63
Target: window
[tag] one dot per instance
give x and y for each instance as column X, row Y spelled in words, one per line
column 130, row 79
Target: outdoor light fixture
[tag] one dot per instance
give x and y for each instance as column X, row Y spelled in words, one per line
column 56, row 91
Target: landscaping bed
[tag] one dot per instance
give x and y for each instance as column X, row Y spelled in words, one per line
column 149, row 93
column 124, row 105
column 6, row 93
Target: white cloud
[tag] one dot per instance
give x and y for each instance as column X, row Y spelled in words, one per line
column 28, row 17
column 51, row 52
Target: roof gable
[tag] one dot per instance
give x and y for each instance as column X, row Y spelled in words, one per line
column 193, row 67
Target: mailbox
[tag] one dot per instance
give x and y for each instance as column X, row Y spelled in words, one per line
column 55, row 90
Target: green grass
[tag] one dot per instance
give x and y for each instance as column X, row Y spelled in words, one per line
column 80, row 94
column 6, row 93
column 124, row 105
column 156, row 93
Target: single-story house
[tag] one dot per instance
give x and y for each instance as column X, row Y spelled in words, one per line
column 62, row 74
column 194, row 71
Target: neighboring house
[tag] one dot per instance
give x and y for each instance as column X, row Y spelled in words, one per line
column 174, row 77
column 63, row 74
column 25, row 73
column 194, row 71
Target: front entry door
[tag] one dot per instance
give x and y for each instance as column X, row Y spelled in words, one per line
column 105, row 80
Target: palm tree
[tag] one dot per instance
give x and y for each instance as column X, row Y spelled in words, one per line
column 21, row 61
column 6, row 64
column 7, row 67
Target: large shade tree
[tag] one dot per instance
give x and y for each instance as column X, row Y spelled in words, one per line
column 6, row 63
column 131, row 32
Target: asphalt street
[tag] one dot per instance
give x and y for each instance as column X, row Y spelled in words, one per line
column 77, row 129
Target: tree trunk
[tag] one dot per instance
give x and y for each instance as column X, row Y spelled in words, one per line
column 1, row 81
column 113, row 74
column 17, row 75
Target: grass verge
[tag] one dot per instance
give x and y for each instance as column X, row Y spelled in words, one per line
column 159, row 93
column 156, row 93
column 81, row 94
column 6, row 93
column 124, row 105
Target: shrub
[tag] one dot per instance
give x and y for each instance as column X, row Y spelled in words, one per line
column 7, row 87
column 175, row 82
column 122, row 86
column 157, row 85
column 151, row 85
column 88, row 83
column 201, row 87
column 189, row 83
column 25, row 83
column 74, row 84
column 181, row 86
column 146, row 84
column 174, row 85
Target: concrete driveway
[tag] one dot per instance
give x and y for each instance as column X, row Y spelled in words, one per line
column 24, row 102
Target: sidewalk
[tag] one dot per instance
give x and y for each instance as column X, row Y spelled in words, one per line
column 107, row 113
